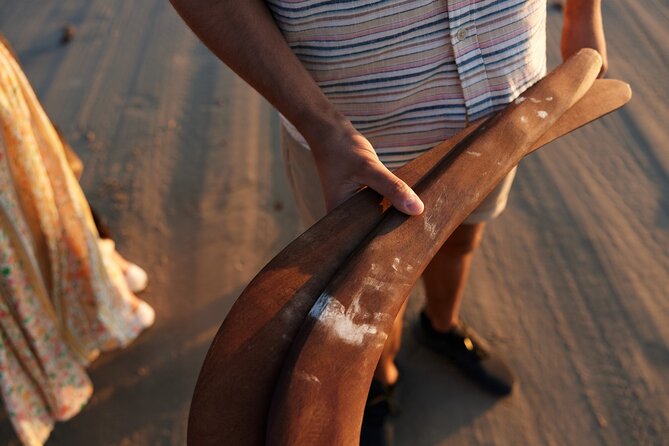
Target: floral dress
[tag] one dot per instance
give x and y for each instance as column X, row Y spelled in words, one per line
column 53, row 320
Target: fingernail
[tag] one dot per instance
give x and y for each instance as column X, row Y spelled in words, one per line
column 414, row 205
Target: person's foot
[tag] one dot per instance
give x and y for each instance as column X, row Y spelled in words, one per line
column 381, row 404
column 470, row 354
column 135, row 277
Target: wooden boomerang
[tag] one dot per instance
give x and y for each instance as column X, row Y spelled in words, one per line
column 320, row 396
column 234, row 390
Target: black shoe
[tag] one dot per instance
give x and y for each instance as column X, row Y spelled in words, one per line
column 376, row 427
column 468, row 352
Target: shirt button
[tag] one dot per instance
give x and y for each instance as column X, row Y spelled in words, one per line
column 461, row 34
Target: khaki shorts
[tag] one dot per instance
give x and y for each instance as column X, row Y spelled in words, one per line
column 303, row 177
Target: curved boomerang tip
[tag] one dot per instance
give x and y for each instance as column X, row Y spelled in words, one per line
column 629, row 90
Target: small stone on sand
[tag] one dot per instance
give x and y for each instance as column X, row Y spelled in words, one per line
column 67, row 34
column 556, row 5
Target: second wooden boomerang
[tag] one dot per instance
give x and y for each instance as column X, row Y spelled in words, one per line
column 236, row 383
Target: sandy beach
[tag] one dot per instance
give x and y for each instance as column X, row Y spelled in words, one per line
column 182, row 159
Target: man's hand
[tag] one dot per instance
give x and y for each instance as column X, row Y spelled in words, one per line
column 346, row 161
column 582, row 28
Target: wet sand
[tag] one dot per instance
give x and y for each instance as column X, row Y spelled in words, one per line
column 182, row 159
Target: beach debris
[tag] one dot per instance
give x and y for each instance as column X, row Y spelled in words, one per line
column 602, row 421
column 67, row 34
column 119, row 198
column 92, row 140
column 556, row 5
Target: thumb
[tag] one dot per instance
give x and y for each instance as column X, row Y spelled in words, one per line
column 400, row 195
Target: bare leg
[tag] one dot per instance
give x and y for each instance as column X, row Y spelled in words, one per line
column 446, row 276
column 445, row 279
column 386, row 370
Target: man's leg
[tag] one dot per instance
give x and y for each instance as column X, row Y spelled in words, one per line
column 445, row 279
column 446, row 276
column 441, row 328
column 386, row 370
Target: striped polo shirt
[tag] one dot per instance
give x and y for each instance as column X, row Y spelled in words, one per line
column 410, row 73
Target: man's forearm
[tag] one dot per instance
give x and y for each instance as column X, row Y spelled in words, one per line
column 587, row 8
column 245, row 37
column 583, row 28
